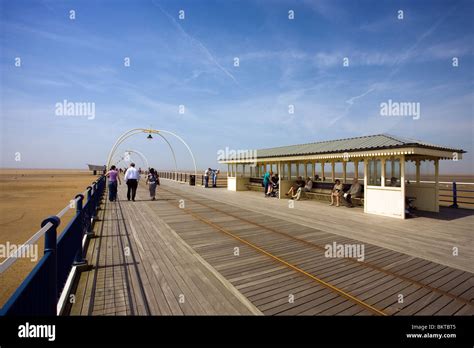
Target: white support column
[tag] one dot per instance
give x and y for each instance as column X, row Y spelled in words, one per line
column 333, row 171
column 323, row 176
column 356, row 169
column 313, row 170
column 305, row 170
column 436, row 164
column 417, row 162
column 382, row 175
column 366, row 170
column 344, row 173
column 279, row 167
column 402, row 183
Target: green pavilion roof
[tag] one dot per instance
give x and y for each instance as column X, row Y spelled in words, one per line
column 364, row 143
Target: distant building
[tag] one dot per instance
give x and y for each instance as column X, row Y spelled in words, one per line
column 94, row 168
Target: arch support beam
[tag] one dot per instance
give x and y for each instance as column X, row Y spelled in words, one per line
column 135, row 131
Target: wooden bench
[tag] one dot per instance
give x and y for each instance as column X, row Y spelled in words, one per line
column 322, row 191
column 255, row 184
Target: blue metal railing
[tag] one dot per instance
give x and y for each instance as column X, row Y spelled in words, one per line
column 40, row 291
column 453, row 197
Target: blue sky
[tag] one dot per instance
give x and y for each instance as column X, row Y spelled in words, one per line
column 190, row 62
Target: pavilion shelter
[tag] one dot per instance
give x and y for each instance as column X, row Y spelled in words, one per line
column 389, row 167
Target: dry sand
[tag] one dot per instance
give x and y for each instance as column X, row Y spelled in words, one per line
column 27, row 197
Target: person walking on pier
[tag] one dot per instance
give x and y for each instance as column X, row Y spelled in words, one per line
column 113, row 176
column 207, row 172
column 131, row 178
column 152, row 182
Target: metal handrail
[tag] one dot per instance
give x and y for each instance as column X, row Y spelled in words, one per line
column 12, row 258
column 61, row 254
column 5, row 264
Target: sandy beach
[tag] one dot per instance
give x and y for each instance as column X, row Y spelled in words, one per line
column 27, row 197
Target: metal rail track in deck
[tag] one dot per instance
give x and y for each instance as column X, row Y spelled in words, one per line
column 321, row 248
column 365, row 265
column 286, row 263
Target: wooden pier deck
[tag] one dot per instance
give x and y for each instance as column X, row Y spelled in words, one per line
column 197, row 251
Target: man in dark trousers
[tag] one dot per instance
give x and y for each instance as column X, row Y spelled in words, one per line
column 207, row 172
column 131, row 178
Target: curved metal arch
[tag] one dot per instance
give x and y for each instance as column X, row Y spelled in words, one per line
column 172, row 151
column 142, row 157
column 117, row 162
column 134, row 131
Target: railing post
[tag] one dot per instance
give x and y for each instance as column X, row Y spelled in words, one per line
column 79, row 203
column 96, row 195
column 455, row 196
column 90, row 232
column 94, row 199
column 79, row 259
column 89, row 193
column 97, row 199
column 50, row 246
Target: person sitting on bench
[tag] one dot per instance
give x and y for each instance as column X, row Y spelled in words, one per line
column 354, row 191
column 394, row 182
column 306, row 188
column 309, row 185
column 336, row 192
column 299, row 183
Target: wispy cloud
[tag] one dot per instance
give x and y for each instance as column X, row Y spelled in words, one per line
column 211, row 58
column 351, row 101
column 82, row 39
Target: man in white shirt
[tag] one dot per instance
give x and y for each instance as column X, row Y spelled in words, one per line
column 131, row 178
column 354, row 191
column 207, row 172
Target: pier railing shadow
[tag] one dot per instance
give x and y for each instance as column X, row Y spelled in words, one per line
column 446, row 213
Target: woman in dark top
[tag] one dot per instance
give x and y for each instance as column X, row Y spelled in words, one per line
column 152, row 181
